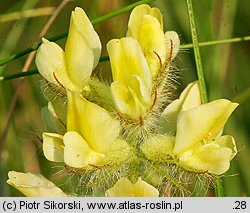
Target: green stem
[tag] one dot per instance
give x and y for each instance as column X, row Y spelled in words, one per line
column 120, row 11
column 198, row 62
column 219, row 188
column 18, row 75
column 215, row 42
column 63, row 35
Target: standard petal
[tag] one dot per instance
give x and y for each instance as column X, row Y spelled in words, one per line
column 126, row 58
column 34, row 185
column 50, row 62
column 136, row 17
column 200, row 125
column 209, row 158
column 93, row 122
column 79, row 56
column 189, row 98
column 77, row 152
column 82, row 23
column 53, row 147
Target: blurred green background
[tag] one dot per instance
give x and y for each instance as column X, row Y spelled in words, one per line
column 226, row 70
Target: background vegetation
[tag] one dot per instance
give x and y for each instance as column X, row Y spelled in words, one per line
column 226, row 69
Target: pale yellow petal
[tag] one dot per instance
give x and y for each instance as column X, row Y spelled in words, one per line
column 126, row 58
column 136, row 17
column 168, row 119
column 142, row 92
column 201, row 124
column 79, row 56
column 229, row 142
column 34, row 185
column 159, row 148
column 152, row 41
column 73, row 68
column 144, row 189
column 53, row 146
column 94, row 123
column 50, row 62
column 138, row 108
column 77, row 152
column 127, row 100
column 121, row 96
column 122, row 188
column 84, row 26
column 172, row 45
column 135, row 20
column 155, row 12
column 146, row 26
column 189, row 98
column 132, row 84
column 208, row 158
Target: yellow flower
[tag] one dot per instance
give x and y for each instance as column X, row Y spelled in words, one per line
column 198, row 146
column 124, row 188
column 189, row 134
column 92, row 135
column 146, row 26
column 34, row 185
column 71, row 69
column 140, row 63
column 132, row 84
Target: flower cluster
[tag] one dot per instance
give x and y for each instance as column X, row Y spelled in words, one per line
column 126, row 138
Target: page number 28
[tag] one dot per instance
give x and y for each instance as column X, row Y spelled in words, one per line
column 240, row 204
